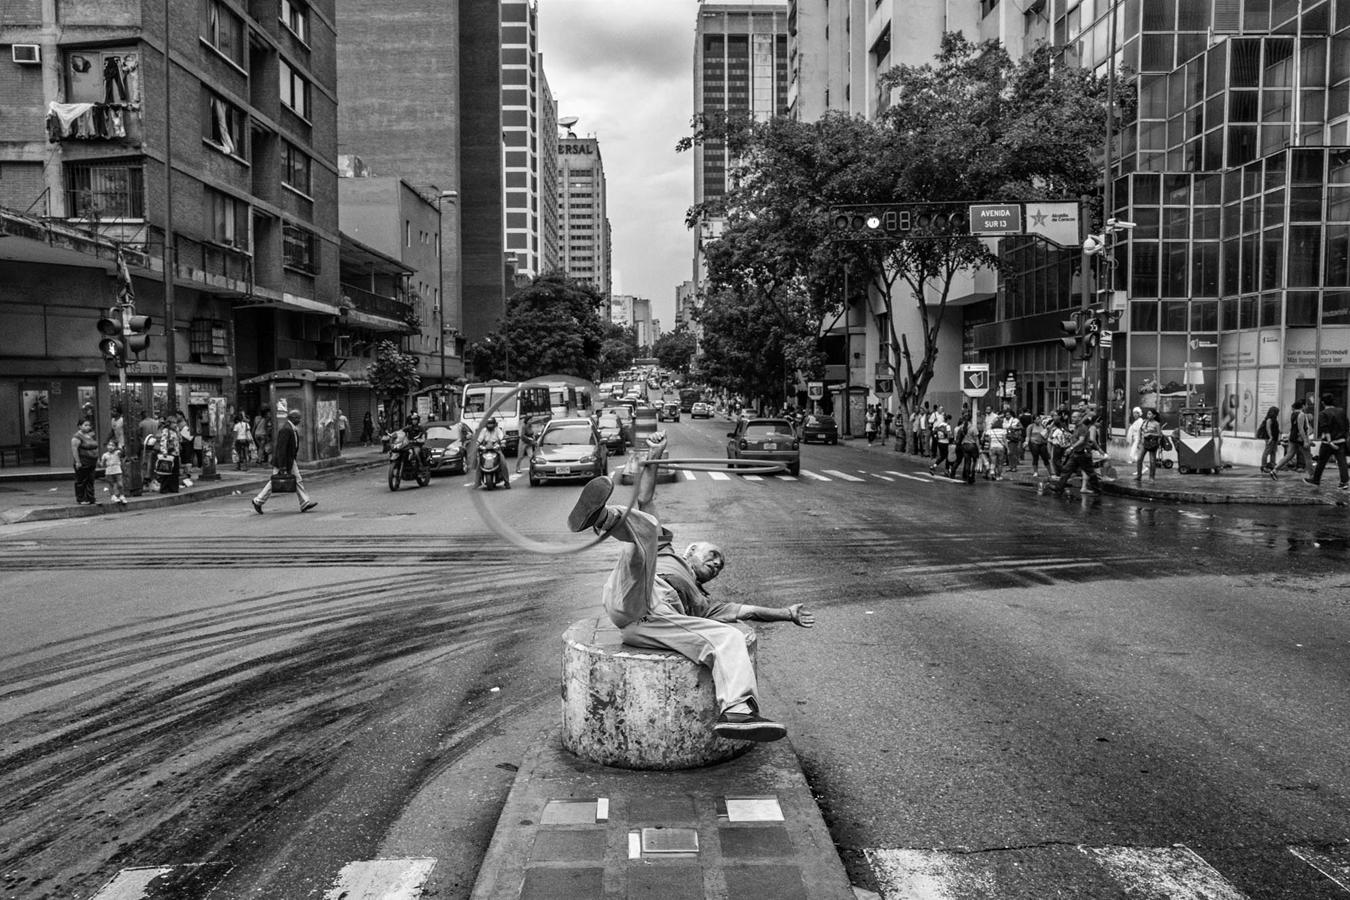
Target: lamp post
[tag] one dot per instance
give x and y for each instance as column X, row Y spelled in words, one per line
column 441, row 197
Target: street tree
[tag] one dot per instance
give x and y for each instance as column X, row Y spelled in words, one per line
column 393, row 376
column 552, row 326
column 618, row 349
column 972, row 125
column 675, row 350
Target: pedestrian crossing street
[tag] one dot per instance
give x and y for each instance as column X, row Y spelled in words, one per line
column 1063, row 870
column 372, row 879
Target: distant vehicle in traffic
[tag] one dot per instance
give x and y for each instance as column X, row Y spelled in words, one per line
column 445, row 447
column 624, row 414
column 700, row 410
column 610, row 428
column 668, row 412
column 820, row 428
column 688, row 397
column 766, row 440
column 568, row 449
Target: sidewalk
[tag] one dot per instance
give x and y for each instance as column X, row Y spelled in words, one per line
column 1239, row 484
column 41, row 493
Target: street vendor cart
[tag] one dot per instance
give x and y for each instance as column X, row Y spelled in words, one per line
column 1197, row 441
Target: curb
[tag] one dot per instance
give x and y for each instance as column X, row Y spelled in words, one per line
column 55, row 513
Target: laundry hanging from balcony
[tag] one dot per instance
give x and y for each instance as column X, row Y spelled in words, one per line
column 85, row 121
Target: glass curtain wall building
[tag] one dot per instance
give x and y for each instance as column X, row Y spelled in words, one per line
column 1231, row 160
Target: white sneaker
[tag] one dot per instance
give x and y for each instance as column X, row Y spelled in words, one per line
column 187, row 482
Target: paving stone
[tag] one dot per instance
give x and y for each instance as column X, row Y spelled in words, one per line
column 551, row 883
column 659, row 882
column 569, row 845
column 739, row 843
column 568, row 812
column 677, row 810
column 765, row 882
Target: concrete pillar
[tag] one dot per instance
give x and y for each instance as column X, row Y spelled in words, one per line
column 639, row 709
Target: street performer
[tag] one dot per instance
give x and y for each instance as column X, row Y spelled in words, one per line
column 655, row 597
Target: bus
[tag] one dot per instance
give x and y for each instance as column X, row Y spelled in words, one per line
column 688, row 397
column 530, row 405
column 569, row 400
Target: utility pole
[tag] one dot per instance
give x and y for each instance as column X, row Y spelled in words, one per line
column 170, row 264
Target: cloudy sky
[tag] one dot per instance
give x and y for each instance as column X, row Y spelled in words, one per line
column 624, row 68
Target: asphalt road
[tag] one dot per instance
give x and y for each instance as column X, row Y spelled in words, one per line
column 995, row 675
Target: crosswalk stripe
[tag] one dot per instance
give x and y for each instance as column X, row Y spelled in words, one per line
column 688, row 476
column 719, row 476
column 1164, row 872
column 753, row 477
column 1148, row 873
column 883, row 477
column 837, row 474
column 813, row 475
column 132, row 884
column 381, row 879
column 786, row 477
column 915, row 478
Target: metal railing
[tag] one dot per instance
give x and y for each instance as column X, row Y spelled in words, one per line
column 376, row 304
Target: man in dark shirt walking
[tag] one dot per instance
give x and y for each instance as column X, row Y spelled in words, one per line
column 1078, row 457
column 1335, row 431
column 285, row 460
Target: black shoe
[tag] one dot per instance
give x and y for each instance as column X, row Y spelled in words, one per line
column 1313, row 483
column 257, row 506
column 590, row 505
column 748, row 727
column 1274, row 476
column 306, row 507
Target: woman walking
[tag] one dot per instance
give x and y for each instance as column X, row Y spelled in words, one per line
column 367, row 430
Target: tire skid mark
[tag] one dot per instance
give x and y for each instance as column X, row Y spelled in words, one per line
column 215, row 732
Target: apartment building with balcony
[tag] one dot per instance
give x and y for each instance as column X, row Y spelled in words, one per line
column 242, row 112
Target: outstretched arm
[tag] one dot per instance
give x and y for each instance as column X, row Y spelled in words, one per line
column 797, row 614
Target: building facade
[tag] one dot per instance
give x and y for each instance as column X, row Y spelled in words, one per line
column 583, row 222
column 529, row 122
column 245, row 118
column 740, row 70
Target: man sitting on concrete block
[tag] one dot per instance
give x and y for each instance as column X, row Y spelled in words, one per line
column 655, row 597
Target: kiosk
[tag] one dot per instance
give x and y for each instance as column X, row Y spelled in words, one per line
column 1197, row 441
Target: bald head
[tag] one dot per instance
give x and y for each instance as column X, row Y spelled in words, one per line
column 705, row 560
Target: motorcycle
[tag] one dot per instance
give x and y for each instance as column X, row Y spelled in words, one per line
column 406, row 461
column 490, row 471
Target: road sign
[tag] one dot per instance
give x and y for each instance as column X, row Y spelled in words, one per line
column 884, row 387
column 996, row 218
column 815, row 390
column 1105, row 343
column 975, row 379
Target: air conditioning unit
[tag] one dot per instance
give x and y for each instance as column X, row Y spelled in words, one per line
column 26, row 54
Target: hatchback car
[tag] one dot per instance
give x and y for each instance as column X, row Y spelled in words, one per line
column 611, row 433
column 700, row 410
column 766, row 440
column 445, row 447
column 568, row 448
column 820, row 428
column 668, row 412
column 624, row 413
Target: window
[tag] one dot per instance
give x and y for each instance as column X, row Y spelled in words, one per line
column 294, row 90
column 295, row 16
column 105, row 192
column 209, row 337
column 223, row 125
column 295, row 168
column 229, row 219
column 297, row 248
column 223, row 30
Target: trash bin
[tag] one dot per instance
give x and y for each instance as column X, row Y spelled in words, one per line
column 1197, row 441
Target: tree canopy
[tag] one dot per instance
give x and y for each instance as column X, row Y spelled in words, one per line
column 552, row 326
column 675, row 350
column 973, row 125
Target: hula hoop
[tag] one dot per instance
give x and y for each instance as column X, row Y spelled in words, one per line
column 544, row 548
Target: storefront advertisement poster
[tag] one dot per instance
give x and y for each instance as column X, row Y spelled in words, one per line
column 1268, row 351
column 1301, row 348
column 1239, row 404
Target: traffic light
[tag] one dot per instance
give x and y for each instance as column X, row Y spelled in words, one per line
column 124, row 333
column 111, row 345
column 897, row 221
column 135, row 338
column 1085, row 334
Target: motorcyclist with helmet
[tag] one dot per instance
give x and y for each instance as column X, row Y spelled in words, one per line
column 417, row 437
column 494, row 438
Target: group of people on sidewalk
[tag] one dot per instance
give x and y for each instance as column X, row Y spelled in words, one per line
column 1329, row 437
column 168, row 450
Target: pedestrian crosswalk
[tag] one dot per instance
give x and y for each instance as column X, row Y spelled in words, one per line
column 1176, row 872
column 371, row 879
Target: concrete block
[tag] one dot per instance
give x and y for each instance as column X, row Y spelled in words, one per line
column 639, row 709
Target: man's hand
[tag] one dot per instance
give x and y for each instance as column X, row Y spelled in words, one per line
column 801, row 616
column 657, row 445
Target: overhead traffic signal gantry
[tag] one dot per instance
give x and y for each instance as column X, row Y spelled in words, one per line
column 897, row 221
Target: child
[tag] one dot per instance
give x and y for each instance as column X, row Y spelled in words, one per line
column 112, row 467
